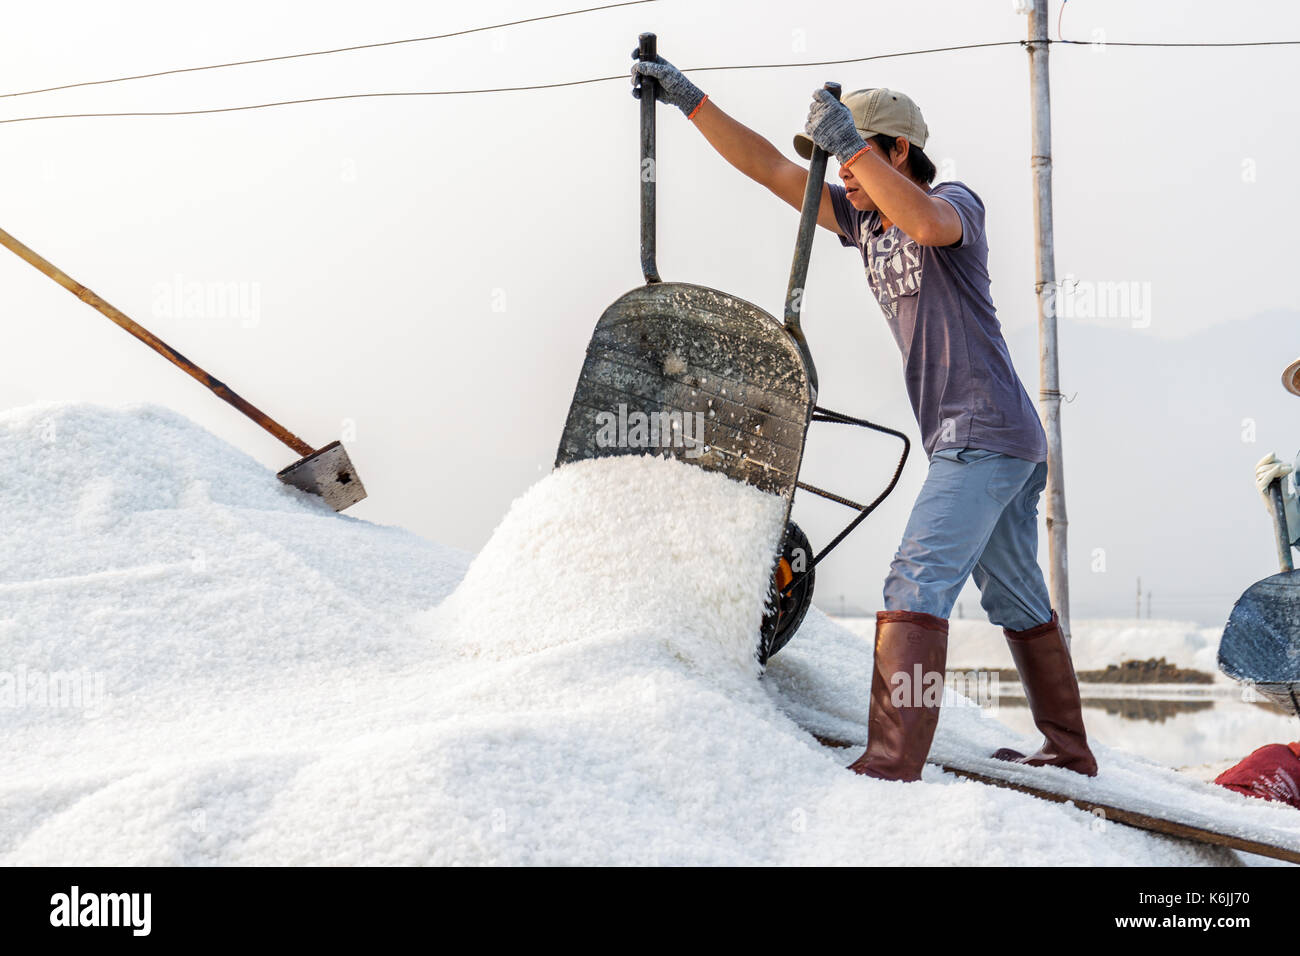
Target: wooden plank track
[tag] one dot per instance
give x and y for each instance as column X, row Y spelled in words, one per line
column 1129, row 818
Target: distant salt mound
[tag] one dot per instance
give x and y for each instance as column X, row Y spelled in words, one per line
column 642, row 545
column 1095, row 644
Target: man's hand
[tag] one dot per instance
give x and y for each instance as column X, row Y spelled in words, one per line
column 830, row 125
column 1269, row 470
column 671, row 86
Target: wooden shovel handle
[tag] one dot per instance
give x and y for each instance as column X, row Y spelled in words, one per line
column 217, row 387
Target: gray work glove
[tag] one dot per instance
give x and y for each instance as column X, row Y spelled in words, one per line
column 671, row 86
column 830, row 125
column 1269, row 470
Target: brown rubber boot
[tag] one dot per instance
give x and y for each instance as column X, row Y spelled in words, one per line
column 1052, row 689
column 911, row 649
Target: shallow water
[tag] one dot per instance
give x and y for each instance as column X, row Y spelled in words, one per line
column 1201, row 728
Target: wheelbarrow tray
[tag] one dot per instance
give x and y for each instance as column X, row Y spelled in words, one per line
column 1261, row 642
column 692, row 373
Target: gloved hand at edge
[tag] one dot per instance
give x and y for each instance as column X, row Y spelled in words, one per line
column 671, row 85
column 830, row 125
column 1269, row 469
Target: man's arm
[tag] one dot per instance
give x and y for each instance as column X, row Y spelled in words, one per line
column 929, row 220
column 760, row 160
column 738, row 144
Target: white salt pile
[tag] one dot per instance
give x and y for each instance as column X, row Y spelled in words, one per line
column 265, row 682
column 632, row 545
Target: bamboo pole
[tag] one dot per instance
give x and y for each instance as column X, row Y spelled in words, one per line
column 120, row 318
column 1049, row 382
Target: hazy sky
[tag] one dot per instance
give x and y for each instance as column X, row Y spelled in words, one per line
column 426, row 272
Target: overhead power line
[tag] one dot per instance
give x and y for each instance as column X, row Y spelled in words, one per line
column 503, row 89
column 317, row 99
column 589, row 80
column 857, row 59
column 1153, row 43
column 341, row 49
column 1060, row 38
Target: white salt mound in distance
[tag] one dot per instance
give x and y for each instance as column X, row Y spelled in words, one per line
column 1094, row 644
column 624, row 544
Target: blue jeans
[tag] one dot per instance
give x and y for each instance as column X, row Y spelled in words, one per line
column 976, row 515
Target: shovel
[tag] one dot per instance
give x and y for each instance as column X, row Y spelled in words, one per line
column 326, row 471
column 1261, row 642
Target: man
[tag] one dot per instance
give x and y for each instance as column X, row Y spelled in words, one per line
column 1271, row 468
column 926, row 258
column 1273, row 771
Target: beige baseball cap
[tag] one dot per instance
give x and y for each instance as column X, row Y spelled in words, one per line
column 1291, row 377
column 875, row 112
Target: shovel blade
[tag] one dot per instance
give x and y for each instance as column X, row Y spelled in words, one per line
column 329, row 474
column 1261, row 642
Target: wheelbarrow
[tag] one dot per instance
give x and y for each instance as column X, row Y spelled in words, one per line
column 677, row 352
column 1261, row 641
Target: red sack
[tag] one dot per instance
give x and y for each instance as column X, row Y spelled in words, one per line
column 1271, row 773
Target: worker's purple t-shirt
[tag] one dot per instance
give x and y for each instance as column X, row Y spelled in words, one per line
column 959, row 376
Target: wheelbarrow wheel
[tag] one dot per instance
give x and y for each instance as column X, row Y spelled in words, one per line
column 787, row 606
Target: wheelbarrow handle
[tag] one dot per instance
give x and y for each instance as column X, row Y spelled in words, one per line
column 646, row 50
column 812, row 201
column 1279, row 526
